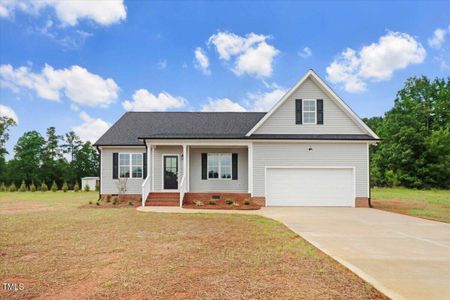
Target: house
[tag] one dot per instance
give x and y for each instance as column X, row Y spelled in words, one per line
column 310, row 149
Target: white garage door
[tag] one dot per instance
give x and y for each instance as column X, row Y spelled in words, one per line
column 310, row 187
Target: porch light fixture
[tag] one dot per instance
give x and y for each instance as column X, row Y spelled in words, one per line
column 310, row 149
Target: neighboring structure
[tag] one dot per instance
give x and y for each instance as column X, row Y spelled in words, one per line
column 310, row 149
column 91, row 181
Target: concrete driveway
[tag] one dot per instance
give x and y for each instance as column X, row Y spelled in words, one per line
column 403, row 257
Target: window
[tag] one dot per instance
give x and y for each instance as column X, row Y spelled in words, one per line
column 309, row 111
column 219, row 166
column 130, row 165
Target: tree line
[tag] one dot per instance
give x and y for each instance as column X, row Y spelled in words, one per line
column 415, row 137
column 46, row 161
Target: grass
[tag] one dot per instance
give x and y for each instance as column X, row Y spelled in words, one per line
column 428, row 204
column 61, row 251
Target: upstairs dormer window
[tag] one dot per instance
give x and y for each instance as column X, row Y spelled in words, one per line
column 309, row 111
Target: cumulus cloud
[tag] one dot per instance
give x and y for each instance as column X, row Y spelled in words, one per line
column 438, row 38
column 6, row 111
column 377, row 61
column 91, row 129
column 305, row 53
column 224, row 104
column 202, row 61
column 76, row 83
column 105, row 12
column 143, row 100
column 264, row 101
column 250, row 54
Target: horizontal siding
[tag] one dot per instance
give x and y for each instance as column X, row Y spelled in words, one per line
column 158, row 167
column 199, row 185
column 336, row 121
column 108, row 184
column 323, row 154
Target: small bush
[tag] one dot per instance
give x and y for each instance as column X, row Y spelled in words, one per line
column 108, row 198
column 212, row 202
column 198, row 203
column 90, row 202
column 23, row 187
column 44, row 187
column 246, row 201
column 130, row 203
column 12, row 187
column 98, row 203
column 229, row 201
column 87, row 188
column 2, row 187
column 32, row 187
column 235, row 204
column 54, row 187
column 76, row 187
column 65, row 187
column 115, row 201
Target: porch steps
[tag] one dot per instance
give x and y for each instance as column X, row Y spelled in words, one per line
column 163, row 199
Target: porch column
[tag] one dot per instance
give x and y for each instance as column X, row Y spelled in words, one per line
column 188, row 167
column 184, row 163
column 149, row 163
column 250, row 168
column 152, row 187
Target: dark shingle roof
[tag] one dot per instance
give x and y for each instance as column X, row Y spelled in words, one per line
column 134, row 125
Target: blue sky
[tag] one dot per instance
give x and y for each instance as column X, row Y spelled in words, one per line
column 79, row 65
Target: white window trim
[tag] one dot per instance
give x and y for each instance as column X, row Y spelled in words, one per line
column 315, row 112
column 130, row 166
column 219, row 166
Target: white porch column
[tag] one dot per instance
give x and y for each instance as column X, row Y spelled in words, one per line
column 184, row 163
column 188, row 167
column 250, row 168
column 152, row 186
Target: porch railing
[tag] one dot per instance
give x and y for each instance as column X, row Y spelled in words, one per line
column 183, row 188
column 145, row 190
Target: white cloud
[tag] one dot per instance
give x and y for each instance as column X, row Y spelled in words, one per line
column 305, row 53
column 264, row 101
column 143, row 100
column 6, row 111
column 224, row 104
column 377, row 61
column 251, row 54
column 438, row 38
column 77, row 84
column 105, row 12
column 202, row 61
column 92, row 129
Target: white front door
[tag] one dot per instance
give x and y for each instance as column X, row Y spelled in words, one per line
column 310, row 186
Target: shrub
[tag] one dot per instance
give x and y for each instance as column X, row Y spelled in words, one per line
column 90, row 202
column 130, row 203
column 98, row 203
column 2, row 187
column 65, row 187
column 32, row 187
column 229, row 201
column 76, row 187
column 54, row 187
column 235, row 204
column 198, row 203
column 12, row 187
column 107, row 198
column 23, row 187
column 246, row 201
column 212, row 202
column 44, row 187
column 115, row 201
column 87, row 188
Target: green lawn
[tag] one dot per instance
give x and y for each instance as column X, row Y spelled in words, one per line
column 61, row 251
column 429, row 204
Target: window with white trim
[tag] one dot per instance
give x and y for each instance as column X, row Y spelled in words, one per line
column 309, row 112
column 130, row 165
column 219, row 165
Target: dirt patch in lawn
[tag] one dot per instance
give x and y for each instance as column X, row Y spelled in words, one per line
column 15, row 206
column 70, row 253
column 414, row 208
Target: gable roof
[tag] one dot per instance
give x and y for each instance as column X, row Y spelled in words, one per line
column 352, row 115
column 165, row 125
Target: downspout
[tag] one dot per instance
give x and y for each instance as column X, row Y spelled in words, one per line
column 100, row 172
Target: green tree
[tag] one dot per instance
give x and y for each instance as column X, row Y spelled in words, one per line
column 5, row 124
column 44, row 187
column 28, row 157
column 54, row 186
column 65, row 187
column 32, row 187
column 71, row 144
column 86, row 163
column 23, row 187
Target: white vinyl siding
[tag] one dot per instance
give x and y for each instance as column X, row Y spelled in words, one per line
column 218, row 185
column 108, row 184
column 322, row 155
column 336, row 120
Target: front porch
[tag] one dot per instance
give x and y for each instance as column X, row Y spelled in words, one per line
column 184, row 172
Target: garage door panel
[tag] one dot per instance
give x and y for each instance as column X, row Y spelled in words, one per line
column 310, row 187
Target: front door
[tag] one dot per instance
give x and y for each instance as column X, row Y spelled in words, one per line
column 170, row 172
